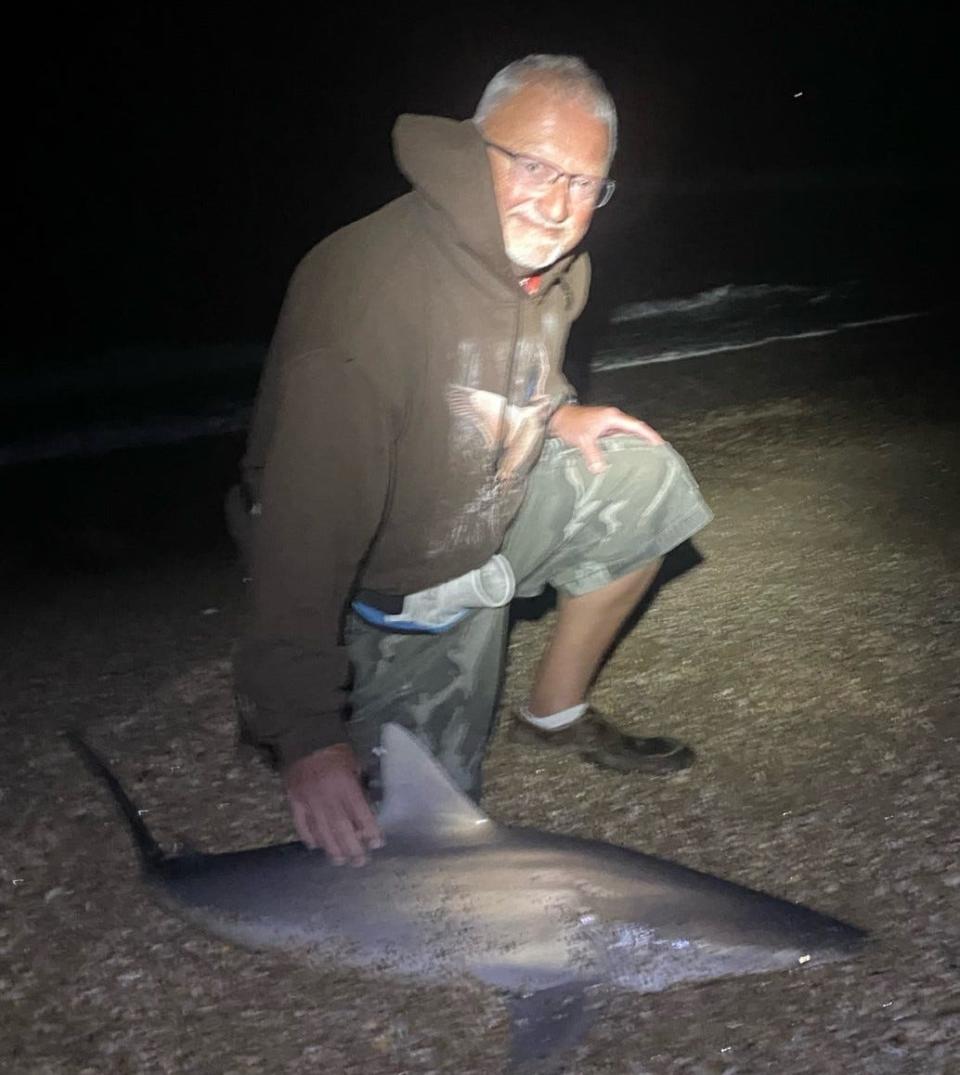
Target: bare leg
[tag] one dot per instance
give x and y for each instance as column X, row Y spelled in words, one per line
column 585, row 628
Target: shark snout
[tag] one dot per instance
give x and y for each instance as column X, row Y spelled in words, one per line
column 836, row 941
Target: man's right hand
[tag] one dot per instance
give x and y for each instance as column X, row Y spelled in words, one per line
column 330, row 810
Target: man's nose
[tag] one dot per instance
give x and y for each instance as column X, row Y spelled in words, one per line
column 554, row 203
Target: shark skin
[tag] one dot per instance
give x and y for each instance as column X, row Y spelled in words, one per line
column 541, row 916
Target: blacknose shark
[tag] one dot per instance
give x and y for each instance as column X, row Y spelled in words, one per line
column 540, row 916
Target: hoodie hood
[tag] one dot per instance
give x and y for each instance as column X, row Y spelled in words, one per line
column 446, row 161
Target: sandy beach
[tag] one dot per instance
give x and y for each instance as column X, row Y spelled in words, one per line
column 807, row 647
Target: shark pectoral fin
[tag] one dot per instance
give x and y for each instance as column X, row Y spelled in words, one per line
column 418, row 794
column 547, row 1023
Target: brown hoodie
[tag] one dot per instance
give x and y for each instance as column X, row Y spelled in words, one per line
column 403, row 402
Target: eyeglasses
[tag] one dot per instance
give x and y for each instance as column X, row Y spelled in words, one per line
column 536, row 175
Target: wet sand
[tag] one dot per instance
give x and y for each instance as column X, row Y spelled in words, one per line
column 810, row 657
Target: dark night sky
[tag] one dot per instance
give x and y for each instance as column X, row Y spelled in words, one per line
column 179, row 162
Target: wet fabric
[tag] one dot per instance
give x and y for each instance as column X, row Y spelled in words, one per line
column 575, row 531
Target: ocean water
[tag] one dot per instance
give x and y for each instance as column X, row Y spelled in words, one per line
column 144, row 386
column 128, row 397
column 735, row 317
column 680, row 272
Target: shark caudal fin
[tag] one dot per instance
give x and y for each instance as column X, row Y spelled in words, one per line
column 418, row 794
column 545, row 1025
column 151, row 853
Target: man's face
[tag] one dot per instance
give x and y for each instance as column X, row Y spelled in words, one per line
column 541, row 226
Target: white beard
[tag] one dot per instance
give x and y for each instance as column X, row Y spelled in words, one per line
column 531, row 248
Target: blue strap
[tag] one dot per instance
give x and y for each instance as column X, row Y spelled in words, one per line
column 395, row 623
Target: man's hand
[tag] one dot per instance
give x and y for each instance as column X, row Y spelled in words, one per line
column 582, row 427
column 330, row 810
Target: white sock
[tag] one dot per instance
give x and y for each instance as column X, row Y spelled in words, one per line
column 554, row 721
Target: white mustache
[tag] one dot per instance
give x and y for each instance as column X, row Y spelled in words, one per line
column 536, row 220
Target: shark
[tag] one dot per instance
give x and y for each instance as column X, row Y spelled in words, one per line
column 543, row 917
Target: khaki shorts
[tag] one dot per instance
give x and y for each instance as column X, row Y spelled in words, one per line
column 575, row 531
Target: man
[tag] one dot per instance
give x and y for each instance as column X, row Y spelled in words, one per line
column 412, row 428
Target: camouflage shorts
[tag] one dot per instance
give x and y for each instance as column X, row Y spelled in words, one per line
column 575, row 531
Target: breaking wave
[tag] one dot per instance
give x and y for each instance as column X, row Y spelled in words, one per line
column 735, row 317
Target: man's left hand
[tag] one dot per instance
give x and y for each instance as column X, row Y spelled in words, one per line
column 582, row 427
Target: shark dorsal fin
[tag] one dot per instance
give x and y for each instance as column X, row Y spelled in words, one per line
column 418, row 795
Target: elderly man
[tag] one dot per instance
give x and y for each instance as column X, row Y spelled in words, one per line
column 417, row 457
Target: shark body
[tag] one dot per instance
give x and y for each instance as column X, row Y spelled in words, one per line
column 539, row 915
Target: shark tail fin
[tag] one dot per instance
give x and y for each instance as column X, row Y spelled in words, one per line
column 151, row 853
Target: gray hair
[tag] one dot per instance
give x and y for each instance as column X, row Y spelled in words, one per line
column 568, row 74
